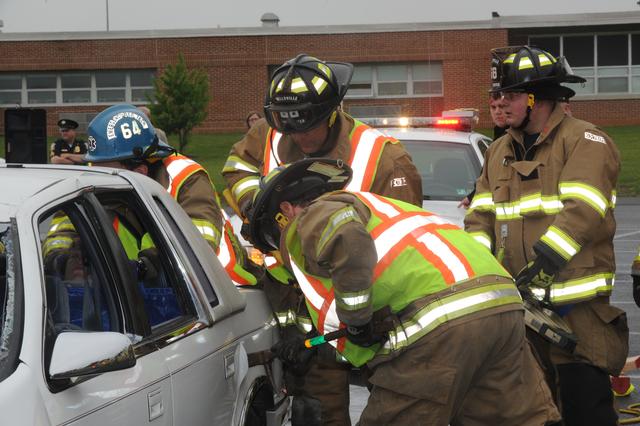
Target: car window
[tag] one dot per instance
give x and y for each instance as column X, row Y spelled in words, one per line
column 207, row 286
column 448, row 170
column 79, row 294
column 483, row 145
column 10, row 301
column 160, row 278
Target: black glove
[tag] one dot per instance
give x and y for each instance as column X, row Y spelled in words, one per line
column 636, row 289
column 538, row 273
column 148, row 264
column 363, row 335
column 294, row 354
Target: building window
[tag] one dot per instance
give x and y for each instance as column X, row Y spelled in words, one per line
column 396, row 80
column 76, row 87
column 609, row 62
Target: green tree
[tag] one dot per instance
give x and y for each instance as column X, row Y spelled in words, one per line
column 180, row 100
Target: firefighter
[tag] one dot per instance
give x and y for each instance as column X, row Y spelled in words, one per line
column 433, row 314
column 544, row 206
column 122, row 136
column 303, row 119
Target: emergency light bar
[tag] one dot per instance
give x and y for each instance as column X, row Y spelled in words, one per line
column 462, row 120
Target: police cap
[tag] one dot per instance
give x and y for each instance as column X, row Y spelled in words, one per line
column 67, row 123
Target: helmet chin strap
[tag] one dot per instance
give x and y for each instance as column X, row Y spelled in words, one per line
column 531, row 101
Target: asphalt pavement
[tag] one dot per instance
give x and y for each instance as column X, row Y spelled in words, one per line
column 626, row 244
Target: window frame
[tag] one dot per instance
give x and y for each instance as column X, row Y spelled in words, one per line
column 59, row 90
column 593, row 71
column 179, row 279
column 375, row 81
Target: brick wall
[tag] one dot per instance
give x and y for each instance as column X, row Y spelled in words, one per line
column 237, row 68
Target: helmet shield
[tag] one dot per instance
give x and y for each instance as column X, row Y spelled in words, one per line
column 301, row 181
column 304, row 92
column 122, row 132
column 530, row 69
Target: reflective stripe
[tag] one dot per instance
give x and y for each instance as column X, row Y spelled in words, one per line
column 449, row 308
column 245, row 185
column 234, row 163
column 548, row 205
column 613, row 199
column 271, row 158
column 355, row 300
column 57, row 243
column 208, row 231
column 339, row 218
column 319, row 84
column 289, row 318
column 383, row 208
column 395, row 233
column 482, row 201
column 560, row 242
column 441, row 250
column 482, row 238
column 578, row 289
column 525, row 63
column 589, row 194
column 360, row 159
column 298, row 85
column 544, row 60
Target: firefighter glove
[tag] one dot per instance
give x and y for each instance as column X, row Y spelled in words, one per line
column 363, row 335
column 539, row 273
column 636, row 289
column 148, row 264
column 294, row 354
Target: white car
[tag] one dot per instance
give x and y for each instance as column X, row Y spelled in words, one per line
column 92, row 334
column 449, row 159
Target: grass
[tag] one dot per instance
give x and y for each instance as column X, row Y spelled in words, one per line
column 211, row 151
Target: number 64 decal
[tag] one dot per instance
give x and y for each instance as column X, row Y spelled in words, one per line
column 127, row 132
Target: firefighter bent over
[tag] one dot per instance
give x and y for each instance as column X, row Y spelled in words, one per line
column 428, row 309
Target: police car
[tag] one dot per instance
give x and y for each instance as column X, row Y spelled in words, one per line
column 447, row 153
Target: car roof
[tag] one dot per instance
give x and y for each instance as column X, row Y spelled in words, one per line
column 22, row 181
column 429, row 133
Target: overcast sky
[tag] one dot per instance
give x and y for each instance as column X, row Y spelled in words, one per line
column 90, row 15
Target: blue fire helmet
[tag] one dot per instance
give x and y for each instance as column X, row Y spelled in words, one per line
column 122, row 132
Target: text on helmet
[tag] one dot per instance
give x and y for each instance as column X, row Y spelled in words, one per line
column 124, row 128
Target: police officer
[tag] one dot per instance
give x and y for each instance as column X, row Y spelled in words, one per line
column 430, row 311
column 544, row 206
column 303, row 119
column 122, row 136
column 68, row 149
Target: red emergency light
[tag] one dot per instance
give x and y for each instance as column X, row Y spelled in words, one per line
column 448, row 122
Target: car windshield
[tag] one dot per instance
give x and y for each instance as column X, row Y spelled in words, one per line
column 448, row 170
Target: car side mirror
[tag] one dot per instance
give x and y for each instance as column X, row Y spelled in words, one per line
column 77, row 354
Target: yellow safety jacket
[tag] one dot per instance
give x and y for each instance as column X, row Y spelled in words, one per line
column 422, row 260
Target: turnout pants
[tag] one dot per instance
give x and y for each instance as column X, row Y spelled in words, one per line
column 480, row 372
column 580, row 380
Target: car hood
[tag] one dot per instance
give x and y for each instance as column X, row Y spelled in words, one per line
column 448, row 210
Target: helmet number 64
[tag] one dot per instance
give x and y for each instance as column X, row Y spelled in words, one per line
column 127, row 132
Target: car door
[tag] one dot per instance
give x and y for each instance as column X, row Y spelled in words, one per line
column 89, row 285
column 201, row 361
